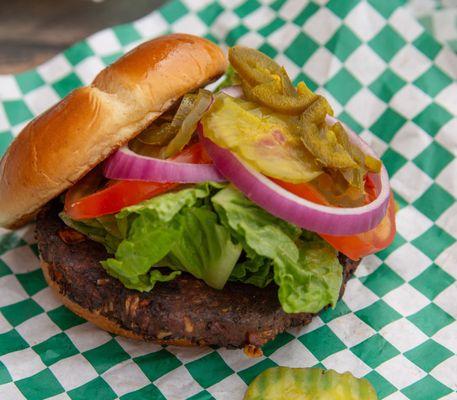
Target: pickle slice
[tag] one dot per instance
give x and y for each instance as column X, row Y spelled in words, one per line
column 255, row 67
column 283, row 383
column 158, row 135
column 270, row 95
column 261, row 138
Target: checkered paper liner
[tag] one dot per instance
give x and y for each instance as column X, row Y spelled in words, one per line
column 389, row 80
column 439, row 17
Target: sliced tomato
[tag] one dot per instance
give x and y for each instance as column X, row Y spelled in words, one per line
column 362, row 244
column 113, row 198
column 84, row 201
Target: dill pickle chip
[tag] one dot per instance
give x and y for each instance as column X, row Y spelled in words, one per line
column 283, row 383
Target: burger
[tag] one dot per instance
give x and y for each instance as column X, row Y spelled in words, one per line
column 172, row 213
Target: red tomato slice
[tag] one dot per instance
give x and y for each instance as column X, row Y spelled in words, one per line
column 362, row 244
column 82, row 203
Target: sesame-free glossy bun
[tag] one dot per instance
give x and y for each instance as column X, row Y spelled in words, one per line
column 60, row 146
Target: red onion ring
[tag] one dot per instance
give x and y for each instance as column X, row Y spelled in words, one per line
column 287, row 206
column 124, row 164
column 233, row 91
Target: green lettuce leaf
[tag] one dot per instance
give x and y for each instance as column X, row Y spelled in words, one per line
column 205, row 248
column 306, row 269
column 215, row 233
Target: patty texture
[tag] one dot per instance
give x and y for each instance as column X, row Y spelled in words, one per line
column 184, row 311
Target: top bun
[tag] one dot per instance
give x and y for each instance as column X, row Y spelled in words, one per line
column 60, row 146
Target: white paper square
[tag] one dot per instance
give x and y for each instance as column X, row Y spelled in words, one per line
column 9, row 391
column 283, row 37
column 196, row 5
column 291, row 9
column 447, row 300
column 41, row 99
column 396, row 396
column 47, row 299
column 417, row 261
column 365, row 21
column 376, row 143
column 21, row 260
column 294, row 355
column 406, row 300
column 38, row 329
column 225, row 389
column 125, row 377
column 150, row 26
column 224, row 23
column 104, row 42
column 400, row 371
column 406, row 26
column 445, row 372
column 54, row 69
column 5, row 326
column 447, row 137
column 73, row 371
column 448, row 220
column 237, row 360
column 447, row 61
column 410, row 101
column 322, row 66
column 358, row 296
column 447, row 260
column 259, row 18
column 322, row 25
column 410, row 182
column 136, row 348
column 252, row 39
column 9, row 89
column 404, row 335
column 188, row 354
column 11, row 290
column 190, row 23
column 409, row 63
column 350, row 329
column 410, row 140
column 23, row 363
column 87, row 336
column 447, row 178
column 178, row 384
column 344, row 361
column 365, row 107
column 411, row 223
column 367, row 266
column 447, row 337
column 88, row 69
column 4, row 124
column 365, row 64
column 446, row 98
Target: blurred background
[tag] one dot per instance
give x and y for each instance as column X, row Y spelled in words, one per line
column 33, row 31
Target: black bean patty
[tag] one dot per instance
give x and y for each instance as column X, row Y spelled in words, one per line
column 185, row 309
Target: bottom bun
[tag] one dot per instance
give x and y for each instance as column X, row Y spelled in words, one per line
column 181, row 312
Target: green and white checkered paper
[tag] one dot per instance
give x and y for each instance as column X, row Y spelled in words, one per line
column 389, row 80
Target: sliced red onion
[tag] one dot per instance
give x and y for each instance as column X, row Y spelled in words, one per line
column 233, row 91
column 285, row 205
column 127, row 165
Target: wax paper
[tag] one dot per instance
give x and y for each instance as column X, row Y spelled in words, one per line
column 393, row 83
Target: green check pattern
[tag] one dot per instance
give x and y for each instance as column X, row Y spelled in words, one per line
column 391, row 82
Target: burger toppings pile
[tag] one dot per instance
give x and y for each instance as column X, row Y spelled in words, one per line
column 255, row 183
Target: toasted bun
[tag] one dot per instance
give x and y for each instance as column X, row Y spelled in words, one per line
column 60, row 146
